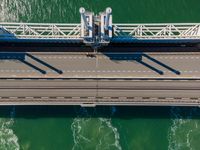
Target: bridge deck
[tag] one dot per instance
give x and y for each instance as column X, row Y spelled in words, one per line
column 107, row 65
column 165, row 79
column 134, row 78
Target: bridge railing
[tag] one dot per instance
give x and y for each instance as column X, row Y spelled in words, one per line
column 73, row 31
column 40, row 30
column 158, row 31
column 98, row 30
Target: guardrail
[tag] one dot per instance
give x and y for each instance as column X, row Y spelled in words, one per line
column 157, row 31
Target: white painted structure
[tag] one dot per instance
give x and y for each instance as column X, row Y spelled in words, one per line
column 40, row 30
column 158, row 31
column 86, row 25
column 98, row 30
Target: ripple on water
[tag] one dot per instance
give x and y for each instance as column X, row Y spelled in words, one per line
column 10, row 10
column 40, row 11
column 185, row 130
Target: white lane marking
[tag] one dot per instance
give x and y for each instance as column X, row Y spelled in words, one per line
column 175, row 57
column 44, row 97
column 29, row 97
column 60, row 97
column 13, row 97
column 18, row 71
column 118, row 57
column 94, row 71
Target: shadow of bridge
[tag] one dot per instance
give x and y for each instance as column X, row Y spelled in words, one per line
column 22, row 57
column 139, row 57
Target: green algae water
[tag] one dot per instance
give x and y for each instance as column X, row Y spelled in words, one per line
column 101, row 128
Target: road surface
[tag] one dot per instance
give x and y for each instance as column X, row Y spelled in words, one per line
column 102, row 65
column 92, row 92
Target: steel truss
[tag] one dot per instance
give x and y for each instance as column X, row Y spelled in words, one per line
column 158, row 31
column 40, row 31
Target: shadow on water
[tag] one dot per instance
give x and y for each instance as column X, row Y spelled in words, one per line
column 22, row 57
column 121, row 112
column 140, row 58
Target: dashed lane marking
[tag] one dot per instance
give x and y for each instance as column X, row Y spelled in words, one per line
column 117, row 57
column 98, row 71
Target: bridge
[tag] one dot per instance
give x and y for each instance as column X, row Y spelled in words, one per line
column 99, row 63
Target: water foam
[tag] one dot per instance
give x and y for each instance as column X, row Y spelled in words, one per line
column 8, row 140
column 9, row 10
column 95, row 133
column 184, row 129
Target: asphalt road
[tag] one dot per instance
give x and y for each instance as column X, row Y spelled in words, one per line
column 102, row 65
column 100, row 92
column 136, row 78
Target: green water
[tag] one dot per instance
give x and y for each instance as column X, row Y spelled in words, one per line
column 101, row 128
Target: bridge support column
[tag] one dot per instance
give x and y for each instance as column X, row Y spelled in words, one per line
column 107, row 20
column 86, row 25
column 106, row 25
column 84, row 22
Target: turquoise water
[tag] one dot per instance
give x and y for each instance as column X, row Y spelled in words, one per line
column 101, row 128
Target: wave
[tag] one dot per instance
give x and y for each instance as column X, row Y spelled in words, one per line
column 10, row 11
column 40, row 11
column 94, row 133
column 8, row 140
column 185, row 130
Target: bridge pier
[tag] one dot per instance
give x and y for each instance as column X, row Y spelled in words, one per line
column 106, row 25
column 86, row 26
